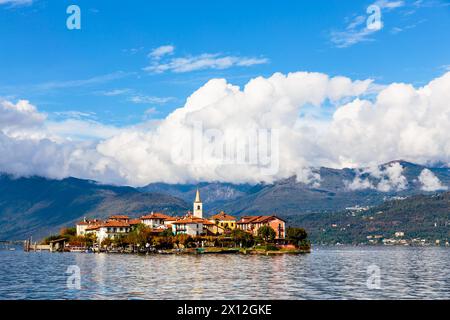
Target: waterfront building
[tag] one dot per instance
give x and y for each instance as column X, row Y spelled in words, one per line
column 109, row 230
column 192, row 224
column 223, row 222
column 253, row 223
column 83, row 225
column 134, row 222
column 155, row 220
column 189, row 226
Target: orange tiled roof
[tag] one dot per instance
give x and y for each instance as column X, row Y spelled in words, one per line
column 223, row 216
column 119, row 217
column 93, row 222
column 156, row 215
column 188, row 221
column 93, row 227
column 134, row 221
column 257, row 219
column 172, row 218
column 115, row 224
column 206, row 222
column 88, row 222
column 191, row 220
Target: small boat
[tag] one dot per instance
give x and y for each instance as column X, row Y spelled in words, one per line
column 77, row 249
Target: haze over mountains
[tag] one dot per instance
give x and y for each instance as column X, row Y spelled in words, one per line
column 37, row 206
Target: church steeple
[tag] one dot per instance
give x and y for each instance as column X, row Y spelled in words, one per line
column 198, row 205
column 197, row 196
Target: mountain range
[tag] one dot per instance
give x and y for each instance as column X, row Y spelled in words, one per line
column 417, row 217
column 36, row 206
column 289, row 197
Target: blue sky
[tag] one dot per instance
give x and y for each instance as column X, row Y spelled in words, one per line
column 102, row 71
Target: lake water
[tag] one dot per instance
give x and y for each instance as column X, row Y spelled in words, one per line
column 326, row 273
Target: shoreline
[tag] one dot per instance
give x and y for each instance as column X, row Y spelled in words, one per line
column 189, row 251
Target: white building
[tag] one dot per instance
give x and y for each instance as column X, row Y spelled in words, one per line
column 190, row 226
column 198, row 206
column 82, row 226
column 155, row 220
column 109, row 230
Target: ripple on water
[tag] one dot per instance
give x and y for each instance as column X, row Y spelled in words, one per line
column 327, row 273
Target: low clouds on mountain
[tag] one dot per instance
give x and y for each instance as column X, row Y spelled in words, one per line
column 313, row 120
column 430, row 182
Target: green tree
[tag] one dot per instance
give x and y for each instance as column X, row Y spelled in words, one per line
column 51, row 238
column 297, row 236
column 266, row 233
column 68, row 232
column 107, row 242
column 166, row 233
column 120, row 241
column 242, row 238
column 141, row 235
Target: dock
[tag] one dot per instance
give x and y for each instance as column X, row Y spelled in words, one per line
column 54, row 246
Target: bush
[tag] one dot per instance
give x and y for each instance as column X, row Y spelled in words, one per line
column 271, row 247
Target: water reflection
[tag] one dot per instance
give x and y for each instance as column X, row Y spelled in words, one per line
column 327, row 273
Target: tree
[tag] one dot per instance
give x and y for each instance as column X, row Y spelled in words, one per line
column 162, row 242
column 80, row 241
column 141, row 235
column 267, row 233
column 166, row 233
column 68, row 232
column 107, row 242
column 183, row 239
column 120, row 241
column 242, row 238
column 51, row 238
column 296, row 236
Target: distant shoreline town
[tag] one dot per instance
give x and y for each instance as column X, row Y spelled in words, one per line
column 191, row 233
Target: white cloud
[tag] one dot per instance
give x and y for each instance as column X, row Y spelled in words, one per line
column 392, row 178
column 202, row 62
column 16, row 119
column 384, row 179
column 400, row 122
column 357, row 30
column 386, row 4
column 77, row 129
column 161, row 51
column 430, row 182
column 83, row 82
column 359, row 183
column 142, row 99
column 15, row 3
column 115, row 92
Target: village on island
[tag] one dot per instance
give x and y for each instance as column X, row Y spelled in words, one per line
column 192, row 233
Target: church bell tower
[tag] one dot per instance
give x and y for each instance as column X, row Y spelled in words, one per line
column 198, row 206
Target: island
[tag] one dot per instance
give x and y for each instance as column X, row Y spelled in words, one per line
column 189, row 234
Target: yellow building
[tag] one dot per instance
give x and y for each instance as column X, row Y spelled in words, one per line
column 224, row 221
